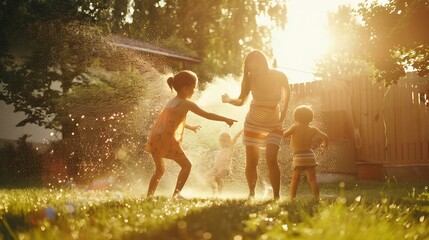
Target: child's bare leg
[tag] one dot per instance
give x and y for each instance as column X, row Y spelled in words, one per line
column 273, row 169
column 156, row 177
column 219, row 183
column 214, row 186
column 211, row 181
column 186, row 165
column 311, row 178
column 252, row 156
column 296, row 175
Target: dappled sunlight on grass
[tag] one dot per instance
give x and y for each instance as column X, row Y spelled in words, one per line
column 354, row 210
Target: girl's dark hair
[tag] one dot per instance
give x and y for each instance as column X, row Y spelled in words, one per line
column 182, row 79
column 303, row 114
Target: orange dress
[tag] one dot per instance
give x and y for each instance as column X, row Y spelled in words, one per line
column 165, row 137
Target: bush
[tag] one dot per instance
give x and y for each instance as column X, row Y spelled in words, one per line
column 20, row 164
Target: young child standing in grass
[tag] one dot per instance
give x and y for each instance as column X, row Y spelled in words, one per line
column 164, row 140
column 221, row 167
column 302, row 135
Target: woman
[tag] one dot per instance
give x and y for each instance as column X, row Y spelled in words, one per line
column 264, row 121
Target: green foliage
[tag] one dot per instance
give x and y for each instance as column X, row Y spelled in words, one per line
column 392, row 38
column 349, row 214
column 54, row 43
column 220, row 32
column 46, row 67
column 103, row 113
column 397, row 37
column 20, row 164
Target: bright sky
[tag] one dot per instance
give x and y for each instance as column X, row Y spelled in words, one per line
column 305, row 38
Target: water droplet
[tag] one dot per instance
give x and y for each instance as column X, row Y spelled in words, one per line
column 207, row 235
column 238, row 237
column 181, row 225
column 285, row 227
column 358, row 198
column 70, row 208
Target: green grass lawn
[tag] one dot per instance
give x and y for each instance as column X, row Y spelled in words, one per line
column 355, row 210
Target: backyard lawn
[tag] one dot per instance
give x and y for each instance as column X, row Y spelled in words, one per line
column 348, row 210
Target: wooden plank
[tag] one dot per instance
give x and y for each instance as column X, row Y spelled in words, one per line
column 388, row 134
column 384, row 111
column 419, row 151
column 370, row 107
column 412, row 147
column 406, row 151
column 401, row 118
column 402, row 113
column 371, row 152
column 363, row 106
column 376, row 123
column 424, row 118
column 415, row 128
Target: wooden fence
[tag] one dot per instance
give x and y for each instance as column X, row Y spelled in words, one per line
column 388, row 127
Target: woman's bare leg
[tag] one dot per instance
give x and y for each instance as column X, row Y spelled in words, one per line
column 252, row 156
column 273, row 169
column 296, row 175
column 311, row 178
column 156, row 177
column 186, row 165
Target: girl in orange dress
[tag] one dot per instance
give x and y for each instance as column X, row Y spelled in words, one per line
column 165, row 137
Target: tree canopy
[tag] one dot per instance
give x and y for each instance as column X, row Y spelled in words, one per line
column 397, row 37
column 54, row 43
column 219, row 32
column 391, row 37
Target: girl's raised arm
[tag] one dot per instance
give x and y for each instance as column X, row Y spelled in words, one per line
column 211, row 116
column 192, row 128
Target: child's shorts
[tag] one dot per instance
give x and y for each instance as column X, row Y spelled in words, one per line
column 304, row 159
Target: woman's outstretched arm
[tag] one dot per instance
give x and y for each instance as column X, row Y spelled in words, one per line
column 245, row 90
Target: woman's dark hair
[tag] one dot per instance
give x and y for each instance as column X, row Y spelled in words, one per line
column 182, row 79
column 255, row 56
